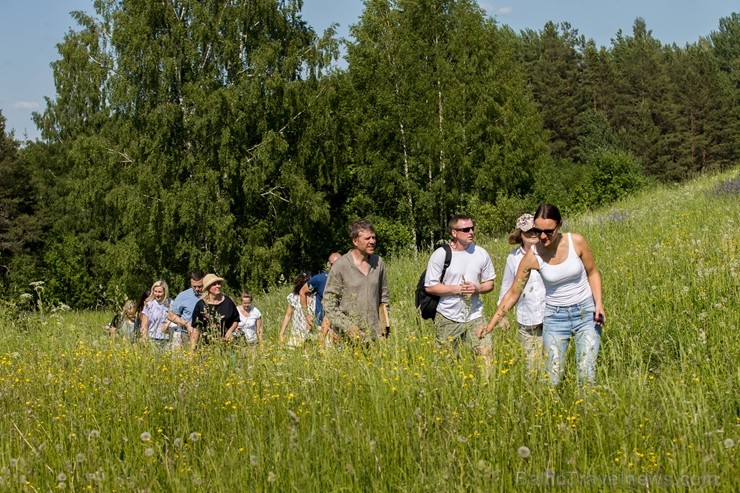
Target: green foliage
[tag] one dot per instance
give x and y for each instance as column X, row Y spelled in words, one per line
column 466, row 128
column 567, row 185
column 553, row 62
column 614, row 175
column 221, row 136
column 595, row 134
column 22, row 222
column 397, row 238
column 499, row 218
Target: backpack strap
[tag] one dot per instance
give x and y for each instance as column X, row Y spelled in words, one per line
column 448, row 259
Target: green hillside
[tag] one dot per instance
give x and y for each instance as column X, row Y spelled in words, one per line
column 82, row 410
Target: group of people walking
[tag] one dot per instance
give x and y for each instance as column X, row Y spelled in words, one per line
column 550, row 278
column 200, row 312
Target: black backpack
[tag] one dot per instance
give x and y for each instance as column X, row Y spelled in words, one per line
column 427, row 303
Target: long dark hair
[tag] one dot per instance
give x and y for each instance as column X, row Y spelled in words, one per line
column 142, row 300
column 300, row 280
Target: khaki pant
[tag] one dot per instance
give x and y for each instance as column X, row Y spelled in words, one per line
column 451, row 332
column 531, row 338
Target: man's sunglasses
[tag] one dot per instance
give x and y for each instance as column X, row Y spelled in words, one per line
column 548, row 232
column 466, row 230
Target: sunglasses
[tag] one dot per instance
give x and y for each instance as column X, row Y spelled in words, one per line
column 548, row 232
column 466, row 230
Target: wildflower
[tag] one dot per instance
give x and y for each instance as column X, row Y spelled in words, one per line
column 149, row 452
column 146, row 437
column 524, row 452
column 271, row 477
column 61, row 477
column 729, row 443
column 194, row 436
column 177, row 442
column 93, row 434
column 80, row 458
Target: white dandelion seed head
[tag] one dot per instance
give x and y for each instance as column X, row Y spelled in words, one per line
column 61, row 477
column 177, row 442
column 271, row 477
column 194, row 436
column 149, row 452
column 729, row 443
column 79, row 458
column 145, row 437
column 93, row 434
column 524, row 452
column 254, row 460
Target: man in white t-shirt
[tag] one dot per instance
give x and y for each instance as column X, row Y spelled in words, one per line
column 470, row 274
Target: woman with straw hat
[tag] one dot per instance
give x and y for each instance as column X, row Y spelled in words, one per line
column 215, row 315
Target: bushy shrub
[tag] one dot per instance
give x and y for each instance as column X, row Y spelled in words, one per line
column 566, row 185
column 614, row 175
column 499, row 218
column 394, row 238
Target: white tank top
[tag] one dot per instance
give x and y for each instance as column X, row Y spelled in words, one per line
column 566, row 283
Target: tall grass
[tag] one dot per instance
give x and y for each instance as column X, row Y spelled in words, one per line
column 84, row 411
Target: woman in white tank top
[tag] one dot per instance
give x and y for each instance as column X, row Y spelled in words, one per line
column 572, row 295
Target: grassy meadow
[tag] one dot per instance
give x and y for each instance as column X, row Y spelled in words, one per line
column 82, row 411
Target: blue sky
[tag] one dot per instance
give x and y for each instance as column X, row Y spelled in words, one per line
column 30, row 30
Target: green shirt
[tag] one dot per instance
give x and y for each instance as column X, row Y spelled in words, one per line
column 352, row 299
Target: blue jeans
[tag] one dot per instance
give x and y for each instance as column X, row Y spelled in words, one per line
column 563, row 322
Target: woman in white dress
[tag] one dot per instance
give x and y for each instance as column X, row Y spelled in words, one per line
column 295, row 313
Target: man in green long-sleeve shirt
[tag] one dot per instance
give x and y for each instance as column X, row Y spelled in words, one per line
column 357, row 288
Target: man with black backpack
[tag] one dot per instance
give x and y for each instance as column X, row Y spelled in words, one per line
column 469, row 274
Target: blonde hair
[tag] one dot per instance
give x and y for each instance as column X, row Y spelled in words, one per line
column 128, row 306
column 161, row 284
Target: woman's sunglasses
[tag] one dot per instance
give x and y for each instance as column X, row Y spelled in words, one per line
column 548, row 232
